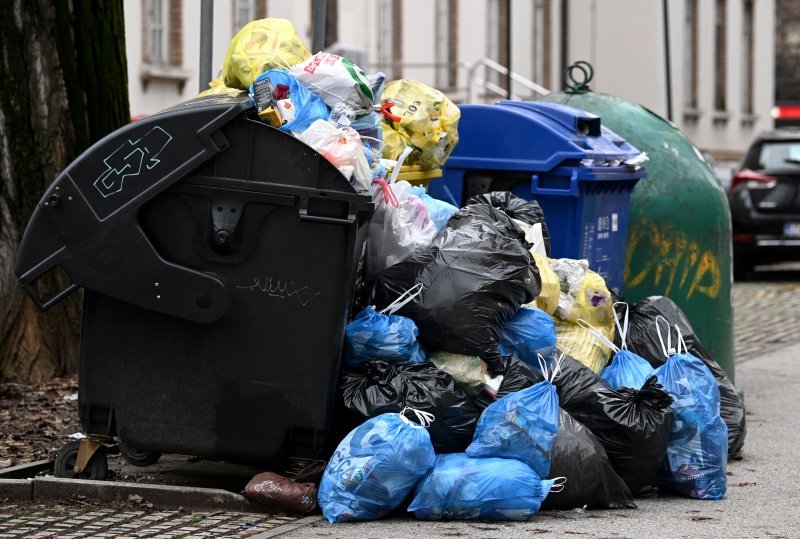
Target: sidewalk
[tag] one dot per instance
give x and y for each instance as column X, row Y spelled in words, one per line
column 762, row 488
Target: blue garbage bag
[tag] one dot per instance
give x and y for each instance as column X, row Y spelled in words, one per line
column 308, row 108
column 460, row 487
column 387, row 337
column 697, row 454
column 375, row 467
column 521, row 426
column 529, row 333
column 438, row 210
column 627, row 370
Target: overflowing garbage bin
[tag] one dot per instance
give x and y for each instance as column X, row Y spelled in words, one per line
column 581, row 173
column 219, row 259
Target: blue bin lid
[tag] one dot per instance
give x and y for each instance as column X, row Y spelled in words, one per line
column 534, row 136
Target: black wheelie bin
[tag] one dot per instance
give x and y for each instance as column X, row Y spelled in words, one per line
column 219, row 259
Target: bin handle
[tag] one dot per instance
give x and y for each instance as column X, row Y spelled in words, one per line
column 537, row 189
column 33, row 292
column 304, row 216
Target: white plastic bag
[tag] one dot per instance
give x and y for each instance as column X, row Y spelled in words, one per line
column 342, row 147
column 336, row 79
column 395, row 232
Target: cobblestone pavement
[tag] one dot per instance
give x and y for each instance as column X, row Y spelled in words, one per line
column 766, row 311
column 72, row 522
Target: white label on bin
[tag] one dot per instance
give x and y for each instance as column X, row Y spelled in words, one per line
column 614, row 222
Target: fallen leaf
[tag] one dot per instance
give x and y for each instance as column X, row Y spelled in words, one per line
column 743, row 484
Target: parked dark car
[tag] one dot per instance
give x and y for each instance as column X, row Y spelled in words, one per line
column 765, row 202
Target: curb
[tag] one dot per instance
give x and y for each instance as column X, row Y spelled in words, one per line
column 164, row 496
column 24, row 471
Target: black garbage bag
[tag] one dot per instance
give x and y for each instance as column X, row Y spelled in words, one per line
column 633, row 425
column 591, row 481
column 376, row 387
column 485, row 213
column 517, row 375
column 643, row 340
column 527, row 211
column 474, row 279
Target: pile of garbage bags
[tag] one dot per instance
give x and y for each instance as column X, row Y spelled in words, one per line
column 481, row 378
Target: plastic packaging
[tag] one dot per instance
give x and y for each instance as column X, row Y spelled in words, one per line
column 521, row 426
column 468, row 372
column 626, row 369
column 336, row 79
column 217, row 87
column 387, row 337
column 633, row 425
column 376, row 387
column 517, row 376
column 474, row 278
column 396, row 232
column 307, row 107
column 259, row 46
column 548, row 298
column 375, row 467
column 591, row 481
column 530, row 333
column 642, row 339
column 438, row 210
column 697, row 454
column 342, row 147
column 428, row 123
column 271, row 489
column 460, row 487
column 527, row 211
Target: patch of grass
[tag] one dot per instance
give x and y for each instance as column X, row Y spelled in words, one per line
column 197, row 519
column 123, row 521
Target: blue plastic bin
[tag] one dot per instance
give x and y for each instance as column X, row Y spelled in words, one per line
column 563, row 158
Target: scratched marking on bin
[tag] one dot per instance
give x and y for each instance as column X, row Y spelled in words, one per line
column 673, row 262
column 278, row 288
column 127, row 160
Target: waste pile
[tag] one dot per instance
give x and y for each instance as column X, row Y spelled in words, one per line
column 481, row 378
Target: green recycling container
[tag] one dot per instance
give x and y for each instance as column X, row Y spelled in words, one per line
column 679, row 235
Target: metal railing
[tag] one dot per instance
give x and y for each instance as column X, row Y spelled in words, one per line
column 477, row 88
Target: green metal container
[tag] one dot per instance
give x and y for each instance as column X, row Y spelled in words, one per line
column 679, row 235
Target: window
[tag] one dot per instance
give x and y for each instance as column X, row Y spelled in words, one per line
column 748, row 44
column 720, row 56
column 498, row 37
column 542, row 37
column 779, row 154
column 244, row 11
column 390, row 44
column 156, row 40
column 447, row 43
column 690, row 52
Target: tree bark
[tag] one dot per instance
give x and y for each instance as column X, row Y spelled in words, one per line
column 64, row 86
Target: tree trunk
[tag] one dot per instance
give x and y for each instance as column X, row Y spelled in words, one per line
column 64, row 86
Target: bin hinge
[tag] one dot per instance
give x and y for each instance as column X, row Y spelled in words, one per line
column 226, row 214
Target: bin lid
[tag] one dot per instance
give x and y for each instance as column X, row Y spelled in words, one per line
column 87, row 221
column 536, row 137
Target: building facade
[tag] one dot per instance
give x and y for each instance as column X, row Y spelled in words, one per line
column 721, row 52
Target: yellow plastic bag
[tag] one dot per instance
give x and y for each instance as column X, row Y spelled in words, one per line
column 583, row 346
column 551, row 287
column 217, row 87
column 261, row 45
column 428, row 123
column 468, row 372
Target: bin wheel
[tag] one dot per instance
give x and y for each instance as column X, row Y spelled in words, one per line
column 136, row 457
column 96, row 468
